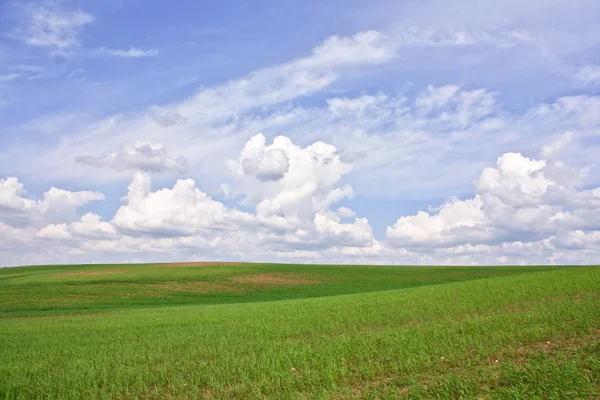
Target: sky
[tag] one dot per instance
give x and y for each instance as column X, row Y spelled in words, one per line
column 384, row 132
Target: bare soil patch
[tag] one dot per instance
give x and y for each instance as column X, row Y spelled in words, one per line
column 200, row 264
column 275, row 279
column 199, row 287
column 237, row 284
column 91, row 273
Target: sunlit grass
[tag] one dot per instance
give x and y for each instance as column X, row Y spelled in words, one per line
column 527, row 335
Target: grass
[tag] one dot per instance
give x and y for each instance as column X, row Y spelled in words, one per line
column 299, row 332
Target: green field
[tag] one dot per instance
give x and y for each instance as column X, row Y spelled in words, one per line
column 247, row 331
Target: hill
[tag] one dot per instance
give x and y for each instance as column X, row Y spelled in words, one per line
column 299, row 331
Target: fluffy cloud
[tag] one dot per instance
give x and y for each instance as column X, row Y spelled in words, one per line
column 266, row 163
column 524, row 210
column 11, row 192
column 144, row 156
column 394, row 143
column 56, row 204
column 520, row 200
column 183, row 210
column 292, row 204
column 306, row 178
column 292, row 216
column 89, row 227
column 384, row 132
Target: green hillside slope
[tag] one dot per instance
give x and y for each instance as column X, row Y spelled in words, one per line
column 526, row 335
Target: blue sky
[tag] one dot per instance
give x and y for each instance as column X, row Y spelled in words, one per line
column 409, row 131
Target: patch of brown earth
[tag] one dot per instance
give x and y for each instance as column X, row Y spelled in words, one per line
column 275, row 279
column 200, row 264
column 91, row 273
column 237, row 284
column 199, row 287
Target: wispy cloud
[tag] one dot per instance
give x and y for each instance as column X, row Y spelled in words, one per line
column 143, row 156
column 588, row 75
column 428, row 37
column 5, row 102
column 9, row 77
column 51, row 27
column 132, row 52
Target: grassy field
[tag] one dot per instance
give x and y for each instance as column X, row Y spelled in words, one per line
column 299, row 332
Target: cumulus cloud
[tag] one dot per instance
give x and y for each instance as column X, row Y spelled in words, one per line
column 183, row 210
column 524, row 210
column 55, row 204
column 292, row 210
column 520, row 200
column 11, row 192
column 306, row 182
column 144, row 156
column 89, row 227
column 266, row 163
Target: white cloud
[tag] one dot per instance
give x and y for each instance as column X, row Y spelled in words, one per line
column 445, row 227
column 363, row 47
column 265, row 163
column 56, row 204
column 430, row 37
column 521, row 200
column 166, row 117
column 297, row 78
column 181, row 211
column 89, row 227
column 356, row 234
column 436, row 97
column 298, row 219
column 588, row 74
column 11, row 191
column 132, row 52
column 524, row 211
column 557, row 146
column 377, row 144
column 64, row 203
column 54, row 232
column 210, row 124
column 293, row 210
column 144, row 156
column 50, row 27
column 340, row 107
column 306, row 182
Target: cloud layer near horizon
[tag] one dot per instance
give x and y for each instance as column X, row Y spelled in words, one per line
column 521, row 204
